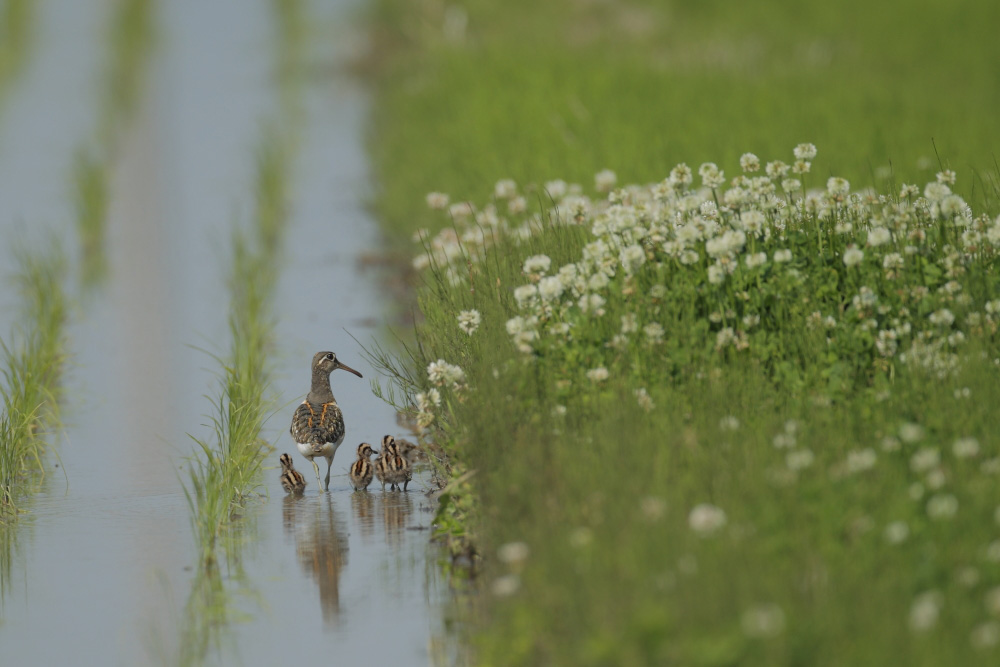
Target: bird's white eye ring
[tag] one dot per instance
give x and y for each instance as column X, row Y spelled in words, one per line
column 329, row 356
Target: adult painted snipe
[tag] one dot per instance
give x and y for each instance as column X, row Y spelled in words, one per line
column 318, row 424
column 292, row 480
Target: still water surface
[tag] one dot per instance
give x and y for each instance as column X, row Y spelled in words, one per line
column 106, row 555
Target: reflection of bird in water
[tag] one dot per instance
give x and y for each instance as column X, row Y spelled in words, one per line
column 396, row 510
column 318, row 423
column 363, row 505
column 321, row 546
column 362, row 470
column 292, row 481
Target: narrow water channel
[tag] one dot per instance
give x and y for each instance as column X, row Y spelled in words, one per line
column 106, row 554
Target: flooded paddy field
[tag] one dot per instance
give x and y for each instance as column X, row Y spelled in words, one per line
column 105, row 550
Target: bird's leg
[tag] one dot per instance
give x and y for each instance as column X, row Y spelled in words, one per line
column 329, row 464
column 405, row 484
column 316, row 468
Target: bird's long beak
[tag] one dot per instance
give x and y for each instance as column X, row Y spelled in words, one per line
column 347, row 368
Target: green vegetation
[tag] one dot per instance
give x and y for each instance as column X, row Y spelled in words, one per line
column 31, row 365
column 131, row 37
column 31, row 370
column 225, row 472
column 17, row 25
column 714, row 420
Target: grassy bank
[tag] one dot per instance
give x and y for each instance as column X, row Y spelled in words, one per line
column 727, row 419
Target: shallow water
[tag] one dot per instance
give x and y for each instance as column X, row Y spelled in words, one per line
column 106, row 554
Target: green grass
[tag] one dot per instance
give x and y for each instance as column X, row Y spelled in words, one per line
column 17, row 26
column 31, row 367
column 225, row 471
column 603, row 492
column 31, row 363
column 131, row 35
column 563, row 89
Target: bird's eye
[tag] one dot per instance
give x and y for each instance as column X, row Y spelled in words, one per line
column 329, row 355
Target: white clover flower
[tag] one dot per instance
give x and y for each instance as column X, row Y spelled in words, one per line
column 689, row 257
column 644, row 400
column 706, row 519
column 434, row 396
column 789, row 185
column 935, row 192
column 716, row 274
column 801, row 167
column 681, row 176
column 749, row 162
column 557, row 189
column 776, row 169
column 654, row 332
column 711, row 175
column 804, row 152
column 853, row 256
column 658, row 291
column 763, row 621
column 782, row 256
column 630, row 324
column 632, row 257
column 437, row 200
column 910, row 432
column 441, row 372
column 924, row 611
column 598, row 281
column 925, row 459
column 513, row 553
column 893, row 261
column 837, row 186
column 942, row 318
column 860, row 460
column 952, row 206
column 469, row 320
column 517, row 205
column 965, row 448
column 537, row 264
column 986, row 635
column 605, row 180
column 729, row 423
column 942, row 506
column 756, row 259
column 460, row 210
column 799, row 459
column 506, row 585
column 505, row 189
column 896, row 532
column 592, row 303
column 423, row 403
column 725, row 338
column 550, row 288
column 879, row 236
column 515, row 325
column 597, row 375
column 751, row 320
column 525, row 294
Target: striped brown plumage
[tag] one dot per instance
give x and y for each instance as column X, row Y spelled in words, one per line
column 395, row 467
column 362, row 471
column 292, row 481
